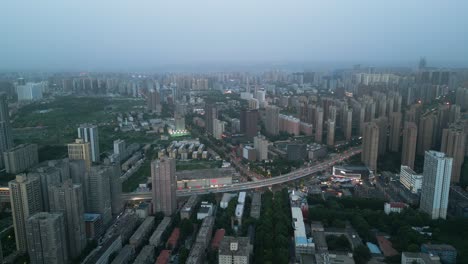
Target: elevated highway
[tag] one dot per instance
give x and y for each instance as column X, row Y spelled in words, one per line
column 292, row 176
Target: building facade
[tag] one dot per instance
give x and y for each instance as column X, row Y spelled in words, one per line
column 26, row 200
column 89, row 133
column 164, row 185
column 47, row 242
column 436, row 184
column 20, row 158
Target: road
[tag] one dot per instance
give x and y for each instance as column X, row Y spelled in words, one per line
column 292, row 176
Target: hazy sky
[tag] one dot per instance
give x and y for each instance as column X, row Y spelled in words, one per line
column 113, row 34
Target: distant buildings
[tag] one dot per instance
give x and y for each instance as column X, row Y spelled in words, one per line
column 164, row 185
column 234, row 250
column 261, row 147
column 211, row 113
column 89, row 133
column 370, row 145
column 26, row 200
column 47, row 241
column 20, row 158
column 153, row 101
column 249, row 122
column 436, row 184
column 80, row 150
column 272, row 120
column 289, row 124
column 29, row 91
column 218, row 128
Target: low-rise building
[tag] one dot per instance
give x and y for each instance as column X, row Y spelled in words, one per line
column 234, row 250
column 446, row 253
column 125, row 256
column 394, row 207
column 142, row 232
column 155, row 239
column 303, row 245
column 164, row 257
column 20, row 158
column 420, row 258
column 146, row 255
column 256, row 205
column 187, row 210
column 410, row 179
column 206, row 209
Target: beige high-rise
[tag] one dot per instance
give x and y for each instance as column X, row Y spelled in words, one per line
column 331, row 132
column 80, row 150
column 426, row 131
column 395, row 128
column 164, row 185
column 370, row 145
column 26, row 200
column 318, row 124
column 453, row 145
column 410, row 135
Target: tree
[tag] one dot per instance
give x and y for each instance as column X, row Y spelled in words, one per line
column 183, row 255
column 186, row 227
column 361, row 254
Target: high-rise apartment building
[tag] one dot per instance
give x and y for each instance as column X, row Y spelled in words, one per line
column 211, row 113
column 453, row 145
column 395, row 129
column 318, row 124
column 26, row 200
column 89, row 133
column 249, row 122
column 347, row 123
column 67, row 199
column 382, row 122
column 47, row 242
column 6, row 138
column 370, row 145
column 331, row 132
column 218, row 128
column 426, row 130
column 179, row 121
column 261, row 147
column 154, row 101
column 99, row 199
column 120, row 149
column 164, row 185
column 436, row 184
column 80, row 150
column 20, row 158
column 272, row 120
column 410, row 134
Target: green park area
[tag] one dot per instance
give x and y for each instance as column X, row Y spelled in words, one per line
column 53, row 124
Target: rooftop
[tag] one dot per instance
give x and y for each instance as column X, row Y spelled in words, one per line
column 237, row 246
column 206, row 173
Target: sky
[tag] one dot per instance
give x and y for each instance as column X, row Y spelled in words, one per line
column 145, row 34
